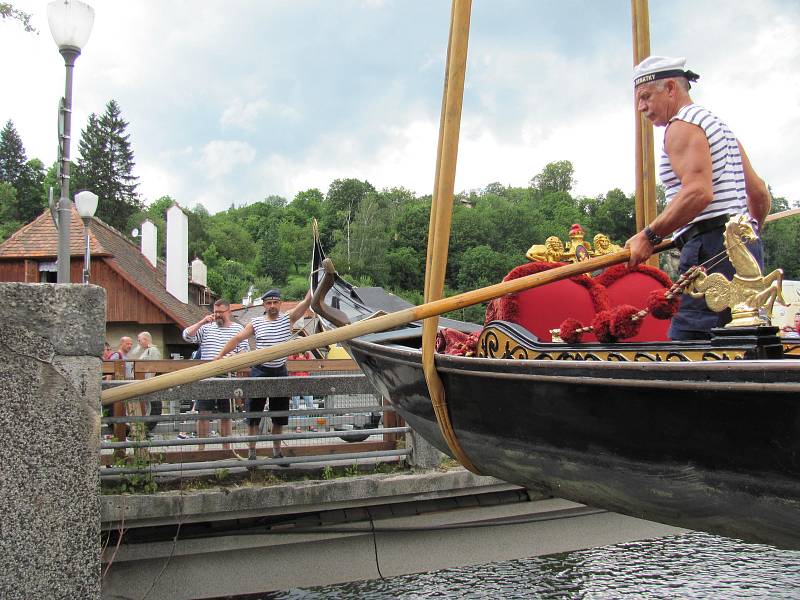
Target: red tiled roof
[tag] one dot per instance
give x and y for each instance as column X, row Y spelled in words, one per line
column 129, row 262
column 39, row 239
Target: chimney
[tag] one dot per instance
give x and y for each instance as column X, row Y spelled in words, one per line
column 177, row 253
column 199, row 272
column 149, row 242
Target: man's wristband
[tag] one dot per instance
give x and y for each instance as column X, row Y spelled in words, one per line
column 652, row 237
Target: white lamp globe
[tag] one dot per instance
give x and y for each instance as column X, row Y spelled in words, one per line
column 70, row 23
column 86, row 203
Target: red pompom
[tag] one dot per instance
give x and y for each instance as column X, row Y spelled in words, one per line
column 602, row 327
column 622, row 324
column 569, row 331
column 662, row 307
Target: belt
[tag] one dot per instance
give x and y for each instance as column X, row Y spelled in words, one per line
column 698, row 228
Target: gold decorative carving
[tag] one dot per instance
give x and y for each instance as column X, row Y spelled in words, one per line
column 749, row 291
column 575, row 250
column 494, row 343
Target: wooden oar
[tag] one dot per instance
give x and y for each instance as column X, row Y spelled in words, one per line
column 382, row 323
column 784, row 213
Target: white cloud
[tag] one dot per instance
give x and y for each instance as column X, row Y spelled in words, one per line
column 231, row 106
column 220, row 157
column 243, row 114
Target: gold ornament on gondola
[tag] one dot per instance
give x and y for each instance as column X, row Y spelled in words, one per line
column 749, row 292
column 575, row 250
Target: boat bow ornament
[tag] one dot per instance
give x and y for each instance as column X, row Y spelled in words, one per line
column 750, row 295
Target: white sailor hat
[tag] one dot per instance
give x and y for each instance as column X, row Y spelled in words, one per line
column 661, row 67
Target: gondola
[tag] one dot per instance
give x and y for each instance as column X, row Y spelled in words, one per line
column 701, row 435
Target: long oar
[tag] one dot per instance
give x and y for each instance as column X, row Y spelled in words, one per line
column 382, row 323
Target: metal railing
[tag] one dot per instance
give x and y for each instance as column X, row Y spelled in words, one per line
column 346, row 421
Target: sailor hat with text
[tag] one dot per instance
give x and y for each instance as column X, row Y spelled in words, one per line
column 661, row 67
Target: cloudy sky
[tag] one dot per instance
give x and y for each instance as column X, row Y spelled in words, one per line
column 231, row 101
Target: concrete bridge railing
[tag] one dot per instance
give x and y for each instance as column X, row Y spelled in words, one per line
column 51, row 338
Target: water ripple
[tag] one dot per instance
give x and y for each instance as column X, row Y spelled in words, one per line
column 695, row 565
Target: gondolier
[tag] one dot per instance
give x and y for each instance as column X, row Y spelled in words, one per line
column 707, row 178
column 273, row 328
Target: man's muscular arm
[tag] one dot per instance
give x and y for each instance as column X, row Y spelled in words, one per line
column 759, row 201
column 690, row 157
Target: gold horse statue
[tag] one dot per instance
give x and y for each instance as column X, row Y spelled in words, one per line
column 749, row 291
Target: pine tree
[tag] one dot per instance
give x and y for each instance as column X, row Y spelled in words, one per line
column 106, row 166
column 24, row 175
column 12, row 154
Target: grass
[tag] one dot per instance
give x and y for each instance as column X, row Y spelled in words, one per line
column 224, row 479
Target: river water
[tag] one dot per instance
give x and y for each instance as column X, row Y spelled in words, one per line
column 695, row 565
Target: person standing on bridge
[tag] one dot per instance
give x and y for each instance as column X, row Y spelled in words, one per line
column 213, row 332
column 150, row 352
column 707, row 179
column 273, row 328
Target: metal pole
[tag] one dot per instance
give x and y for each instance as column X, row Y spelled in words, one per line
column 87, row 257
column 64, row 209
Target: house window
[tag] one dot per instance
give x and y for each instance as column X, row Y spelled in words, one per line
column 48, row 272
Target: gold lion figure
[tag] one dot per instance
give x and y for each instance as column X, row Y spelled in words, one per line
column 603, row 245
column 551, row 251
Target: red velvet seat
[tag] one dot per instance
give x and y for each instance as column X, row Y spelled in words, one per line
column 581, row 297
column 633, row 286
column 544, row 308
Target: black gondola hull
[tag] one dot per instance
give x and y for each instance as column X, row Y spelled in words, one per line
column 706, row 446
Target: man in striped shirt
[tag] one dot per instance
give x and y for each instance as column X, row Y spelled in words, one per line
column 707, row 179
column 273, row 328
column 212, row 332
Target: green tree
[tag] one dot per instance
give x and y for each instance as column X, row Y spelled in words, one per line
column 7, row 11
column 613, row 214
column 230, row 279
column 305, row 206
column 556, row 176
column 12, row 154
column 106, row 166
column 481, row 266
column 8, row 203
column 406, row 268
column 344, row 197
column 781, row 241
column 25, row 176
column 274, row 258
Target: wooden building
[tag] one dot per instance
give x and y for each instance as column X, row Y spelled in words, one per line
column 137, row 297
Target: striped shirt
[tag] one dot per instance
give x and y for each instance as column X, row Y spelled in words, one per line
column 268, row 333
column 727, row 174
column 212, row 339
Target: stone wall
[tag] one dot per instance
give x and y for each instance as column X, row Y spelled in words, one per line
column 51, row 337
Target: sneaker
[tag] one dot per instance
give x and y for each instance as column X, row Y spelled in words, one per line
column 183, row 436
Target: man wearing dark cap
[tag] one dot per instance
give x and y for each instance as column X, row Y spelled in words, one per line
column 707, row 179
column 273, row 328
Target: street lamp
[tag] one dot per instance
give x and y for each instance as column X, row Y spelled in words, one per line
column 70, row 24
column 86, row 203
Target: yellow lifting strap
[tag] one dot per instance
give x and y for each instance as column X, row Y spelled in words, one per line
column 441, row 213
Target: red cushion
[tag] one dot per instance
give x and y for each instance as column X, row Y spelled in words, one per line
column 544, row 308
column 633, row 287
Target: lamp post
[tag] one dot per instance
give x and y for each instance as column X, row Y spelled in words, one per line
column 86, row 203
column 70, row 24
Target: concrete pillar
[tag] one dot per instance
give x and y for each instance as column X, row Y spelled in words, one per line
column 421, row 453
column 51, row 338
